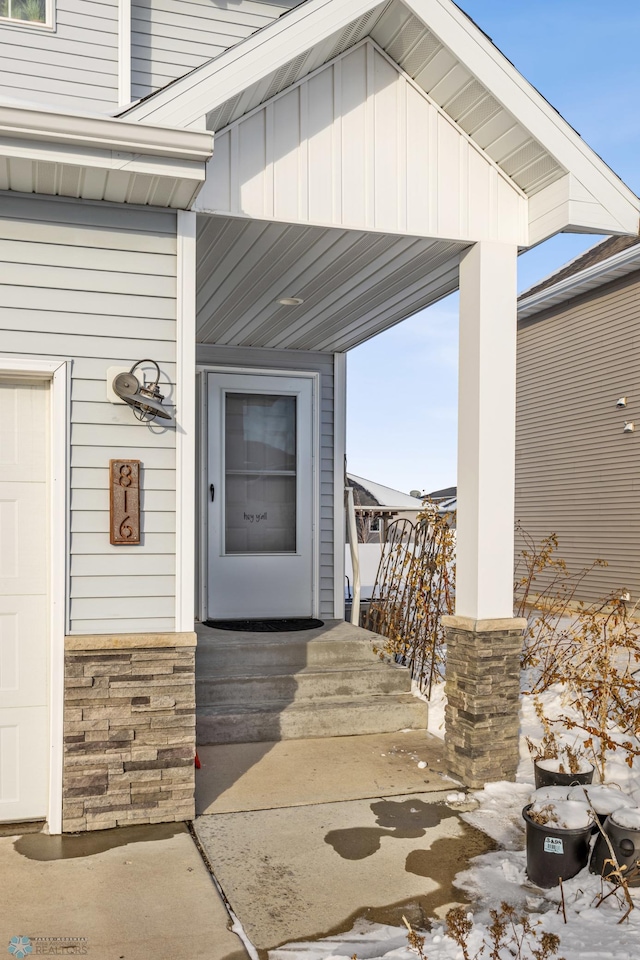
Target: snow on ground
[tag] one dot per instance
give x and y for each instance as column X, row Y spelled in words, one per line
column 591, row 932
column 437, row 703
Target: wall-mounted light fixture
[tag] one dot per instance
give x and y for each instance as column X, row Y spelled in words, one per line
column 629, row 427
column 625, row 596
column 144, row 398
column 622, row 402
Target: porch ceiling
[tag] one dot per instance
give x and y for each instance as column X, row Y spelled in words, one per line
column 353, row 284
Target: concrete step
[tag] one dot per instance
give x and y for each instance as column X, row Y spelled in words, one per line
column 350, row 680
column 331, row 717
column 223, row 658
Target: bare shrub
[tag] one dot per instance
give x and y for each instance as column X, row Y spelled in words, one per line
column 594, row 651
column 552, row 746
column 510, row 931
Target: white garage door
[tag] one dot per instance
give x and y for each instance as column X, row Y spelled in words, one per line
column 24, row 601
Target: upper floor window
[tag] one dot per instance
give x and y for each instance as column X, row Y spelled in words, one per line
column 36, row 12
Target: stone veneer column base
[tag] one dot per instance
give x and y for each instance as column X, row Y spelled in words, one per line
column 129, row 730
column 482, row 719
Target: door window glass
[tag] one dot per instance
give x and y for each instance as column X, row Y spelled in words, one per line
column 260, row 473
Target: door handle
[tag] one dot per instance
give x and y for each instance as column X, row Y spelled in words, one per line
column 212, row 491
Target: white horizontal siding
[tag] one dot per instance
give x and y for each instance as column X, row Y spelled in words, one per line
column 169, row 38
column 303, row 361
column 358, row 145
column 97, row 286
column 577, row 473
column 73, row 66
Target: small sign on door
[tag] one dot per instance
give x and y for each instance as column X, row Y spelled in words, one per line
column 124, row 502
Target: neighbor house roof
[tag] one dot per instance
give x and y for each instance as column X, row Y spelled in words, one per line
column 447, row 493
column 377, row 496
column 609, row 260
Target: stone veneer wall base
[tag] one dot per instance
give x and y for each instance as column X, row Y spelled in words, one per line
column 129, row 730
column 482, row 719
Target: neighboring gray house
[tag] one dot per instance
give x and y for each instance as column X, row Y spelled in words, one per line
column 376, row 506
column 205, row 185
column 578, row 415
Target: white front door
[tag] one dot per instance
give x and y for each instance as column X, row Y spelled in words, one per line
column 24, row 600
column 260, row 496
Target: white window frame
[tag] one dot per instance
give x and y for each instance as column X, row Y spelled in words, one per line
column 48, row 23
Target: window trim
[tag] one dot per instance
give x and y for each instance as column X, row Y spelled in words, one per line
column 48, row 24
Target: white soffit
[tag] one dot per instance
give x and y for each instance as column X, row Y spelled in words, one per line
column 99, row 158
column 353, row 284
column 436, row 71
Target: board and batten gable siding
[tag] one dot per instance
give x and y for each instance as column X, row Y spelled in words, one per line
column 358, row 145
column 74, row 65
column 97, row 285
column 577, row 473
column 169, row 38
column 298, row 360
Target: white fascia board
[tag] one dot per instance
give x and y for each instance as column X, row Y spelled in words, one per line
column 566, row 205
column 184, row 102
column 87, row 133
column 618, row 265
column 469, row 45
column 106, row 159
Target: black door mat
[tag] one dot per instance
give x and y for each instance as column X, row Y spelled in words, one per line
column 289, row 625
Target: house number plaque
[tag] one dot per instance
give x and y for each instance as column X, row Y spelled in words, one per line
column 124, row 501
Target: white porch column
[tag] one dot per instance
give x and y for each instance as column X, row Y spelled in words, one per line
column 483, row 639
column 185, row 420
column 486, row 431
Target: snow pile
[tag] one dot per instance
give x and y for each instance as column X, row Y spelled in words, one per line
column 590, row 933
column 435, row 717
column 629, row 818
column 499, row 814
column 560, row 765
column 553, row 793
column 604, row 799
column 561, row 814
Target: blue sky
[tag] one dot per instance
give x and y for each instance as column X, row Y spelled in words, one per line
column 583, row 56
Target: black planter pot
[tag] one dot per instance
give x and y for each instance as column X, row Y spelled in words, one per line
column 626, row 846
column 554, row 854
column 550, row 778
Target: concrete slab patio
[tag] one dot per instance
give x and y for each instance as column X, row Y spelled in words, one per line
column 291, row 773
column 306, row 837
column 133, row 893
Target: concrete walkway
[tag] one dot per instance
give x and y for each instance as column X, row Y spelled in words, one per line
column 133, row 893
column 305, row 837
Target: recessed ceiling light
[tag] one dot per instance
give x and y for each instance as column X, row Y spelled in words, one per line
column 290, row 301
